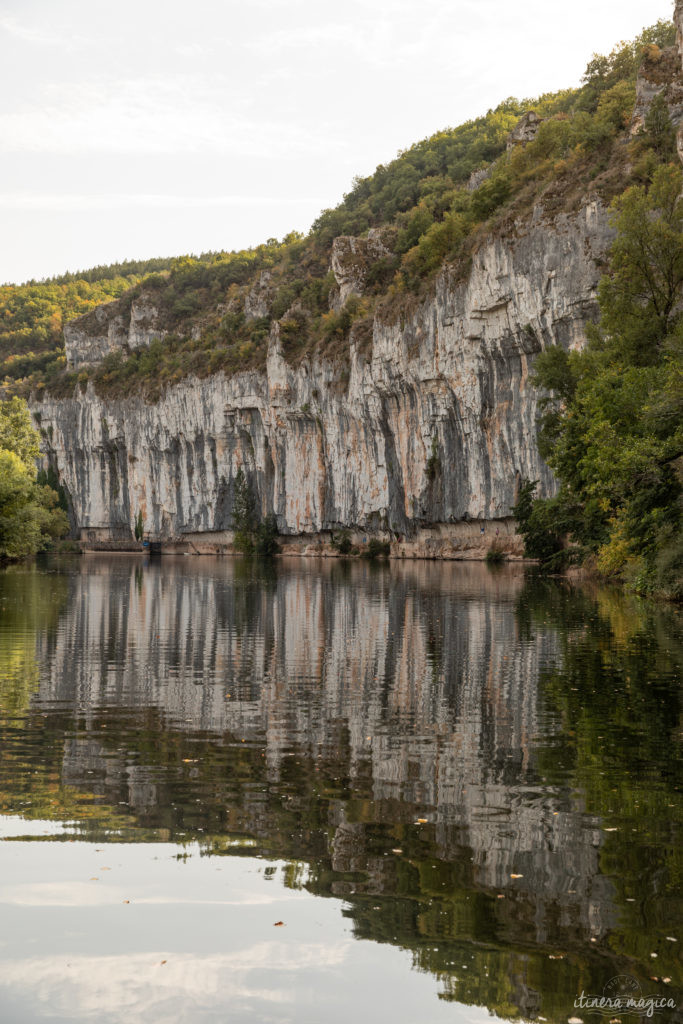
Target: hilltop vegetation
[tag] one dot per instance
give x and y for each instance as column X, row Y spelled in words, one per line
column 30, row 514
column 33, row 314
column 420, row 200
column 612, row 425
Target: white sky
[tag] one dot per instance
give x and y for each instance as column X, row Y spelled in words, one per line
column 144, row 128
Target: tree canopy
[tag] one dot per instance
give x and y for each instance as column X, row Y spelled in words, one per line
column 29, row 512
column 613, row 424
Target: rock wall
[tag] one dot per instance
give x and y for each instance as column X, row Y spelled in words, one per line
column 435, row 424
column 115, row 326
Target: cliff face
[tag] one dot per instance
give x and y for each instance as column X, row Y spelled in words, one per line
column 436, row 423
column 110, row 328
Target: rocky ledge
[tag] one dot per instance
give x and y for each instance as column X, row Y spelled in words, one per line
column 425, row 435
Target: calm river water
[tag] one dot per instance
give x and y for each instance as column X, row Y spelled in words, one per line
column 318, row 792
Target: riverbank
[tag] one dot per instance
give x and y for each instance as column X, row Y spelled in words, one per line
column 472, row 540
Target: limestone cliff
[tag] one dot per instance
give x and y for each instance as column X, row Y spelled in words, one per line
column 433, row 422
column 115, row 326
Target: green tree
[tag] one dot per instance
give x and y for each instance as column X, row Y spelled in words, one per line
column 252, row 534
column 17, row 434
column 542, row 526
column 244, row 519
column 612, row 429
column 659, row 133
column 638, row 298
column 265, row 537
column 29, row 512
column 139, row 526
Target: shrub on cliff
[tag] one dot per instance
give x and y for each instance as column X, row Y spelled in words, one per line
column 251, row 535
column 377, row 548
column 29, row 512
column 341, row 542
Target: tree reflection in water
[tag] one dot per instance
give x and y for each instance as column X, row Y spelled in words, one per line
column 320, row 710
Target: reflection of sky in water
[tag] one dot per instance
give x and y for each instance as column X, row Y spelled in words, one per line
column 480, row 771
column 211, row 919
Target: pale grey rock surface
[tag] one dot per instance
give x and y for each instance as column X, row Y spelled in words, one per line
column 659, row 76
column 477, row 178
column 525, row 130
column 324, row 450
column 259, row 297
column 351, row 261
column 112, row 327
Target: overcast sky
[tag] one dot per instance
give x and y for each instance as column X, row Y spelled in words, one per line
column 144, row 128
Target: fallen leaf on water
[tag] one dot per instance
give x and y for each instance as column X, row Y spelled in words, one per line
column 421, row 821
column 516, row 876
column 279, row 924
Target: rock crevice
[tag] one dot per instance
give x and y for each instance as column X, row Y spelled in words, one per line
column 447, row 389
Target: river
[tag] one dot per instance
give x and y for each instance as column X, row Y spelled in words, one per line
column 319, row 791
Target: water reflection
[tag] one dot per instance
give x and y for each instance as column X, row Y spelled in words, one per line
column 485, row 770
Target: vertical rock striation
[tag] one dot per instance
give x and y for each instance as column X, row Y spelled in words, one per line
column 435, row 424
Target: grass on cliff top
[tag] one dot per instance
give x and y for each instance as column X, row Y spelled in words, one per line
column 419, row 200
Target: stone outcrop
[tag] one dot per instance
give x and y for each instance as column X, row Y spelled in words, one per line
column 352, row 259
column 436, row 424
column 114, row 327
column 259, row 297
column 525, row 130
column 478, row 178
column 660, row 72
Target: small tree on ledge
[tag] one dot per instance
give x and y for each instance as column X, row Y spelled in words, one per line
column 139, row 526
column 243, row 514
column 251, row 536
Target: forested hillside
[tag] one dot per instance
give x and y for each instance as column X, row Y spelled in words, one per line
column 425, row 203
column 611, row 429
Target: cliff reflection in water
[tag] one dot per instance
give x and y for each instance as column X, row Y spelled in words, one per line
column 320, row 710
